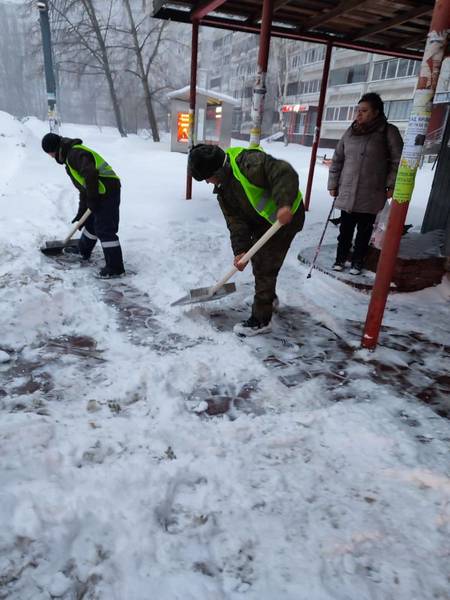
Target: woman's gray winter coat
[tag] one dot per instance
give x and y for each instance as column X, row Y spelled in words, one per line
column 364, row 165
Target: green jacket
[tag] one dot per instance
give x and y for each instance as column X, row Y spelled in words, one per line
column 259, row 197
column 277, row 176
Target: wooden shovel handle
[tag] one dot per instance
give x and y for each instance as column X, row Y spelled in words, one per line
column 77, row 225
column 247, row 256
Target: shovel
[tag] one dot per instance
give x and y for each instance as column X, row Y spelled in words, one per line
column 222, row 288
column 57, row 246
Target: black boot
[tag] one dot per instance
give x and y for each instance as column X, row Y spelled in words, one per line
column 252, row 327
column 110, row 273
column 114, row 261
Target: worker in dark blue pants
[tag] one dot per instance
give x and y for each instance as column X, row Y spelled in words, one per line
column 99, row 188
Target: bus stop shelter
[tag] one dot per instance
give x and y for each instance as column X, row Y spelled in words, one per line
column 213, row 117
column 414, row 29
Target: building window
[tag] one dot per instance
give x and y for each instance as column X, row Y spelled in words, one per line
column 237, row 120
column 296, row 61
column 314, row 54
column 292, row 88
column 216, row 82
column 299, row 122
column 329, row 114
column 393, row 69
column 343, row 112
column 358, row 73
column 309, row 87
column 398, row 110
column 354, row 74
column 340, row 113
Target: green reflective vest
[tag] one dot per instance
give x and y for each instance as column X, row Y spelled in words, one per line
column 104, row 170
column 259, row 198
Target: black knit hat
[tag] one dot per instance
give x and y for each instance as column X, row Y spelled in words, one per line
column 51, row 142
column 204, row 160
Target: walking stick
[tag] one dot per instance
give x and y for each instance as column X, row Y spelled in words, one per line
column 320, row 241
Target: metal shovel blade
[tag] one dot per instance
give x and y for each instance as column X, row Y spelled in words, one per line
column 204, row 295
column 57, row 246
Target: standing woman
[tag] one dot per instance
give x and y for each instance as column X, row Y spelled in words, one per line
column 362, row 177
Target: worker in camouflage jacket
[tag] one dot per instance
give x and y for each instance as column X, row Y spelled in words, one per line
column 254, row 189
column 99, row 189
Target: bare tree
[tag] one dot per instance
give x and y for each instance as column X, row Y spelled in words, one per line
column 113, row 62
column 281, row 53
column 147, row 41
column 143, row 65
column 19, row 92
column 11, row 70
column 82, row 44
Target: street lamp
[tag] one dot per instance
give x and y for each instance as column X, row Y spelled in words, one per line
column 50, row 82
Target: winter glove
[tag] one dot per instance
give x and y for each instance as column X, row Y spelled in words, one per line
column 78, row 216
column 82, row 207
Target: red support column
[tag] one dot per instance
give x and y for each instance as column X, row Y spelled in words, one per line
column 323, row 91
column 198, row 13
column 259, row 91
column 404, row 185
column 192, row 94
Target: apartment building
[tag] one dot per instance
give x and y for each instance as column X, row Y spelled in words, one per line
column 352, row 74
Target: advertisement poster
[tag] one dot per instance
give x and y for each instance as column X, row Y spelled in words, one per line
column 413, row 145
column 420, row 116
column 183, row 127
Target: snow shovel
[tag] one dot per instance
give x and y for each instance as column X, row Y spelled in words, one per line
column 57, row 246
column 222, row 288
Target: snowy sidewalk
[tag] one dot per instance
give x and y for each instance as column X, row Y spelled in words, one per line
column 147, row 452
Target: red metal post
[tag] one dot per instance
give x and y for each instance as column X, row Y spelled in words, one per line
column 409, row 162
column 205, row 9
column 259, row 91
column 323, row 91
column 192, row 93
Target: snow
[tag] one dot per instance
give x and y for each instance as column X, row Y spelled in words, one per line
column 183, row 94
column 115, row 483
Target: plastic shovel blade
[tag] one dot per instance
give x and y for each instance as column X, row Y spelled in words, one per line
column 57, row 246
column 204, row 295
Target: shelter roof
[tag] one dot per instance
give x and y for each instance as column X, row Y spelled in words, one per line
column 183, row 94
column 394, row 27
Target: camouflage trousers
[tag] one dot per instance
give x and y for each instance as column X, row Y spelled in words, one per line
column 267, row 263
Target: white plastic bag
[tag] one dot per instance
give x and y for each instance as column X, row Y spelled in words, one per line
column 380, row 226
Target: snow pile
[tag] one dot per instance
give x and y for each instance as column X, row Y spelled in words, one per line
column 12, row 145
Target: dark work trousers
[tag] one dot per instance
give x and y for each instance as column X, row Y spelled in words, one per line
column 268, row 261
column 363, row 222
column 103, row 224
